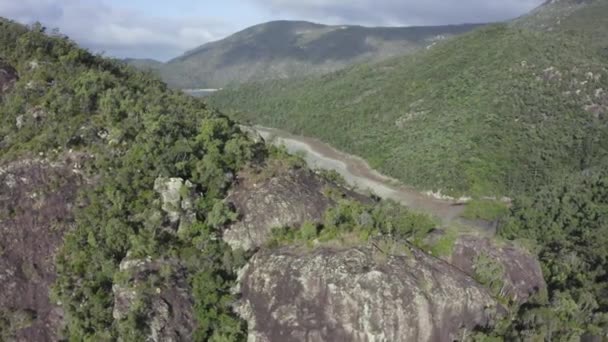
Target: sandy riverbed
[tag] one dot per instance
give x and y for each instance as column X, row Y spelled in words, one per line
column 359, row 174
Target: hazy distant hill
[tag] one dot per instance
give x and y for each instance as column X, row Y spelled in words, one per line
column 144, row 63
column 500, row 110
column 284, row 49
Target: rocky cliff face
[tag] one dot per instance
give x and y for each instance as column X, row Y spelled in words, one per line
column 8, row 77
column 168, row 306
column 289, row 294
column 522, row 277
column 360, row 294
column 287, row 199
column 36, row 201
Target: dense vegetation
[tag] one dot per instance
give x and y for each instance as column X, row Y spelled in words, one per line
column 507, row 112
column 498, row 111
column 487, row 210
column 69, row 101
column 352, row 223
column 567, row 225
column 131, row 131
column 285, row 49
column 517, row 109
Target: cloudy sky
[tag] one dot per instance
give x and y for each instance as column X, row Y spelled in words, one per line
column 163, row 29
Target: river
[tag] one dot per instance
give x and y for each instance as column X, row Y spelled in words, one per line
column 357, row 173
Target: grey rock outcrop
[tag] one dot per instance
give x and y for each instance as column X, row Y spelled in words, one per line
column 359, row 294
column 252, row 134
column 177, row 200
column 169, row 310
column 33, row 114
column 523, row 275
column 8, row 77
column 287, row 199
column 36, row 202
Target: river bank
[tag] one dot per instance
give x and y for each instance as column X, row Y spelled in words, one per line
column 358, row 174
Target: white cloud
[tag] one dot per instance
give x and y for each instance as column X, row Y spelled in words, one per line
column 401, row 12
column 125, row 32
column 120, row 32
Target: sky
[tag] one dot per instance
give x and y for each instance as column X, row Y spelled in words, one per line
column 161, row 29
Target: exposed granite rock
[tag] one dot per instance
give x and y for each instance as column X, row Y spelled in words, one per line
column 36, row 201
column 177, row 200
column 170, row 192
column 252, row 134
column 523, row 275
column 287, row 199
column 359, row 294
column 33, row 114
column 19, row 121
column 8, row 77
column 170, row 315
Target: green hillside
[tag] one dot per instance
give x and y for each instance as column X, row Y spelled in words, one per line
column 284, row 49
column 498, row 111
column 120, row 252
column 132, row 130
column 495, row 111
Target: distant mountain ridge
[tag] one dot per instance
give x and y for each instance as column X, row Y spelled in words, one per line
column 285, row 49
column 143, row 62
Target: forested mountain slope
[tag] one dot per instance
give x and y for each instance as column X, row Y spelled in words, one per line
column 121, row 200
column 498, row 111
column 86, row 145
column 518, row 108
column 285, row 49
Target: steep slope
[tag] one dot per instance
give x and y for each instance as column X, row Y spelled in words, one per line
column 37, row 198
column 8, row 77
column 121, row 193
column 284, row 49
column 117, row 194
column 84, row 140
column 553, row 13
column 498, row 111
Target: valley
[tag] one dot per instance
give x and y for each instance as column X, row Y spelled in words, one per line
column 482, row 114
column 300, row 182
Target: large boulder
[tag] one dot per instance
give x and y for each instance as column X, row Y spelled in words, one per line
column 36, row 203
column 8, row 77
column 286, row 199
column 360, row 294
column 522, row 274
